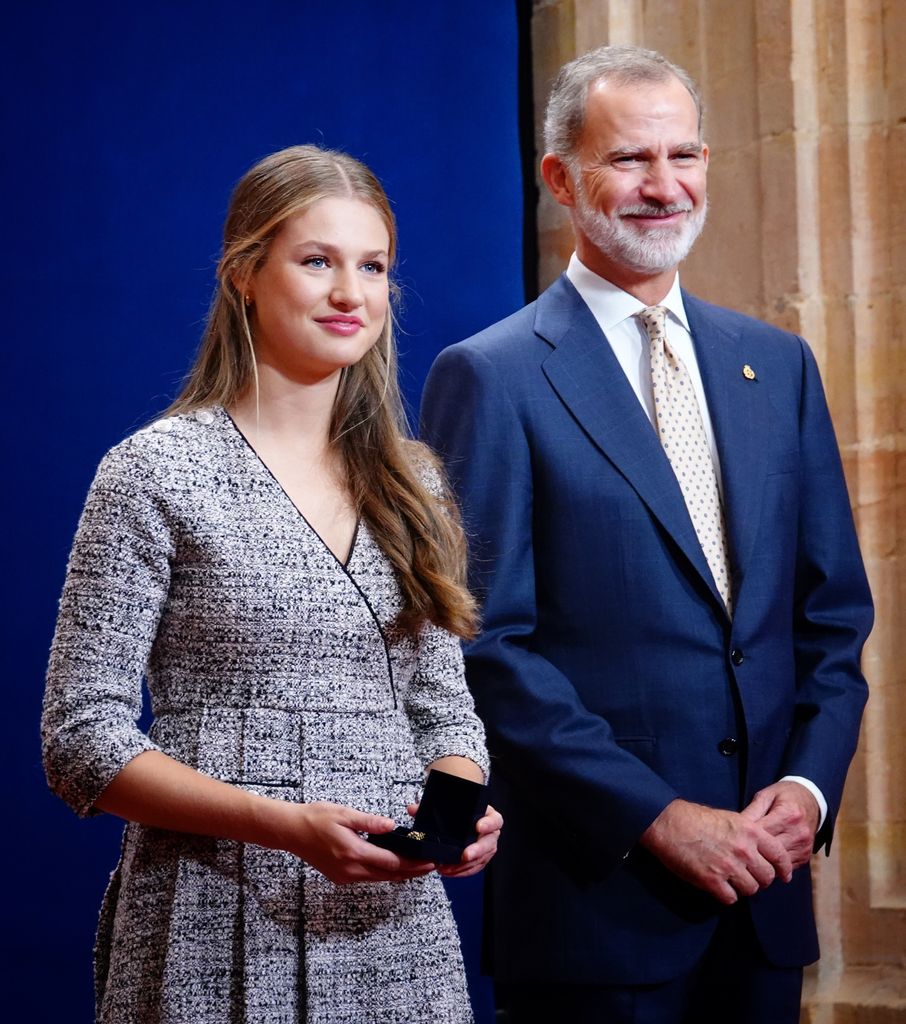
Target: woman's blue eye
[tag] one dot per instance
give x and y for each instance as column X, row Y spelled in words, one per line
column 373, row 267
column 315, row 261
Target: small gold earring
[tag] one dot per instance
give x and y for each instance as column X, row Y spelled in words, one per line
column 248, row 300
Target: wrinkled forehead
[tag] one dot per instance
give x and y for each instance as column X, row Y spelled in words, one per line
column 639, row 113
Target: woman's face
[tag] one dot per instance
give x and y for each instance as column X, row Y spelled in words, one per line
column 321, row 297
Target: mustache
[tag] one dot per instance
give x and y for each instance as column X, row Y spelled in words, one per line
column 654, row 209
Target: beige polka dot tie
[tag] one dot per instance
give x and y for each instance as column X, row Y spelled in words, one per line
column 682, row 433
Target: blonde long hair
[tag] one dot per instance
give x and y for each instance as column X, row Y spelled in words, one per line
column 387, row 473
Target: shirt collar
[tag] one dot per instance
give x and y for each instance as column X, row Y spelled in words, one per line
column 610, row 305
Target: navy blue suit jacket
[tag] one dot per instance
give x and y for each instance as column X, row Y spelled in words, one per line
column 607, row 671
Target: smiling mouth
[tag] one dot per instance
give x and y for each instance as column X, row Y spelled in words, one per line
column 340, row 318
column 340, row 324
column 654, row 212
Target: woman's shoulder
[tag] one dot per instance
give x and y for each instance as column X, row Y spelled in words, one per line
column 166, row 448
column 427, row 468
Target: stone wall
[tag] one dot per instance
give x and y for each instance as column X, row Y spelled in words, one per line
column 806, row 119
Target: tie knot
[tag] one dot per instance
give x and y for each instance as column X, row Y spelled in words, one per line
column 654, row 320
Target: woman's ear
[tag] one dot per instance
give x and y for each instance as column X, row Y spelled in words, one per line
column 243, row 284
column 237, row 281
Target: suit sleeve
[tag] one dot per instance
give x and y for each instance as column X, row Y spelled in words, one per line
column 541, row 736
column 833, row 610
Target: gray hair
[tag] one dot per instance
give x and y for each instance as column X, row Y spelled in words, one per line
column 622, row 65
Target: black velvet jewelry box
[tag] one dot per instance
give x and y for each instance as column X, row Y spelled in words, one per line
column 444, row 824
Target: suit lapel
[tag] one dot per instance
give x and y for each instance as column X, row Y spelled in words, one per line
column 741, row 419
column 586, row 375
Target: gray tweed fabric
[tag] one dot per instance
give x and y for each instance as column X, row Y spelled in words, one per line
column 268, row 666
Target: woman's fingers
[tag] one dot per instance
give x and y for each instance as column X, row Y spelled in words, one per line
column 476, row 855
column 492, row 821
column 329, row 839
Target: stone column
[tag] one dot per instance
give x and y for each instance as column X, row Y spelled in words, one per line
column 805, row 114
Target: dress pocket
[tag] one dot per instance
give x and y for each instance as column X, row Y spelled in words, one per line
column 250, row 747
column 360, row 784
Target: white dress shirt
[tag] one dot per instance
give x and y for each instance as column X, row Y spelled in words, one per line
column 615, row 311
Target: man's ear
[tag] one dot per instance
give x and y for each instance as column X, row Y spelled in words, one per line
column 558, row 179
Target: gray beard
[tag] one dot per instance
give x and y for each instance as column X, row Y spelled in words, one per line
column 643, row 251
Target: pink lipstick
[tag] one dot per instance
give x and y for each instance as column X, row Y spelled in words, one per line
column 340, row 323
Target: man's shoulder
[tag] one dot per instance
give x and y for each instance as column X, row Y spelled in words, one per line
column 509, row 336
column 520, row 335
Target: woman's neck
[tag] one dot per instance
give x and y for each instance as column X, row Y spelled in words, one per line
column 281, row 410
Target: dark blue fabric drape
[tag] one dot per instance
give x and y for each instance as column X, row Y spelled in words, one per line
column 125, row 128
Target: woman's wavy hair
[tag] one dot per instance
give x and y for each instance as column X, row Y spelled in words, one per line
column 395, row 482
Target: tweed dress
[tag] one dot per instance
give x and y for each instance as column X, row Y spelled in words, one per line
column 268, row 666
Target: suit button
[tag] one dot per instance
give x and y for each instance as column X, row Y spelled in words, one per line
column 728, row 746
column 736, row 656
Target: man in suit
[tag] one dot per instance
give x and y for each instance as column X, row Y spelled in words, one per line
column 674, row 604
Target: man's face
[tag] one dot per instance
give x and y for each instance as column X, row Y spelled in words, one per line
column 639, row 177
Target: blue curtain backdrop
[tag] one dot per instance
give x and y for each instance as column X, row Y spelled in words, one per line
column 125, row 128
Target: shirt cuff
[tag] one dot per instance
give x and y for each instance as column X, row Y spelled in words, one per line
column 816, row 793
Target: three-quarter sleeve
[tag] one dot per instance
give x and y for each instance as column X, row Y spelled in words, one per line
column 438, row 702
column 116, row 586
column 439, row 705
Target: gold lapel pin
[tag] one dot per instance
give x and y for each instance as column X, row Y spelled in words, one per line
column 748, row 372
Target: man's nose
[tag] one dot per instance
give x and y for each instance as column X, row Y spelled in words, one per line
column 661, row 183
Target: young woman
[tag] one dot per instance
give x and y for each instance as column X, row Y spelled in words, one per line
column 279, row 561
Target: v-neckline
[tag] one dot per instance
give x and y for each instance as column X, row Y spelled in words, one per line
column 341, row 562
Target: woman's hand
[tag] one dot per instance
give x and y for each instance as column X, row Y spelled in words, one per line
column 327, row 836
column 156, row 790
column 476, row 856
